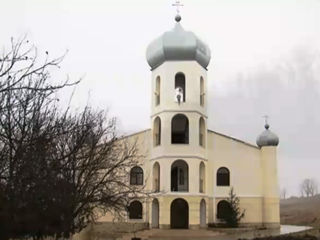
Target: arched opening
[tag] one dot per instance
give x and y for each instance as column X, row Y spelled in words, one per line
column 223, row 209
column 180, row 129
column 179, row 176
column 202, row 177
column 157, row 91
column 157, row 131
column 223, row 177
column 180, row 86
column 156, row 177
column 202, row 91
column 136, row 176
column 203, row 214
column 202, row 132
column 179, row 214
column 155, row 213
column 135, row 210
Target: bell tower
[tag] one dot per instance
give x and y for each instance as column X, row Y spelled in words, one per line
column 178, row 61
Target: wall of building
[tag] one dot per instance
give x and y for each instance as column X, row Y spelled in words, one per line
column 248, row 176
column 252, row 170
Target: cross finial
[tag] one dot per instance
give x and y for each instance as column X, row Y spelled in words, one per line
column 177, row 4
column 266, row 117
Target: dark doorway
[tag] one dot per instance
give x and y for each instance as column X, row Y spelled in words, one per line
column 180, row 129
column 179, row 214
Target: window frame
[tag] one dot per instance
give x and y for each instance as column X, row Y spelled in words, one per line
column 136, row 176
column 223, row 181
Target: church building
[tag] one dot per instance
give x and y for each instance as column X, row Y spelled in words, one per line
column 188, row 168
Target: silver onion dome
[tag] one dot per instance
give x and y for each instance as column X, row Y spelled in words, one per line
column 267, row 138
column 178, row 45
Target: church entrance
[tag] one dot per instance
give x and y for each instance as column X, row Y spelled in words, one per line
column 179, row 214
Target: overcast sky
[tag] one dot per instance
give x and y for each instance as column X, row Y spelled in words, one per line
column 265, row 60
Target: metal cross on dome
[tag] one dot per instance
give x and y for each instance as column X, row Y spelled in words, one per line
column 177, row 4
column 266, row 117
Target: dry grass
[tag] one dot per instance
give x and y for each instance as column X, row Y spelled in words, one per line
column 301, row 211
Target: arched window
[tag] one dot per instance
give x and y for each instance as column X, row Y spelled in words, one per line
column 223, row 209
column 202, row 92
column 157, row 91
column 156, row 177
column 179, row 129
column 180, row 85
column 223, row 177
column 135, row 210
column 157, row 132
column 202, row 132
column 202, row 177
column 179, row 176
column 136, row 176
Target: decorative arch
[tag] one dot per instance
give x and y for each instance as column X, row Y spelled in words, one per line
column 223, row 177
column 203, row 214
column 135, row 210
column 223, row 209
column 179, row 176
column 155, row 213
column 202, row 132
column 157, row 91
column 157, row 131
column 136, row 176
column 202, row 177
column 156, row 177
column 202, row 94
column 180, row 83
column 180, row 129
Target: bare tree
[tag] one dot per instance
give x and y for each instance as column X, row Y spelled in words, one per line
column 21, row 66
column 59, row 170
column 283, row 194
column 309, row 187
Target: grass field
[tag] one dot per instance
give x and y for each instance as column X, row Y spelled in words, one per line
column 301, row 211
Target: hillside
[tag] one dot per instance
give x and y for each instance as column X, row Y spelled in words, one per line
column 300, row 211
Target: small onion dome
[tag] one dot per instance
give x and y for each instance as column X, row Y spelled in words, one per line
column 267, row 138
column 178, row 45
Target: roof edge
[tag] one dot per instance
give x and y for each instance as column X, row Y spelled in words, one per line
column 235, row 139
column 133, row 134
